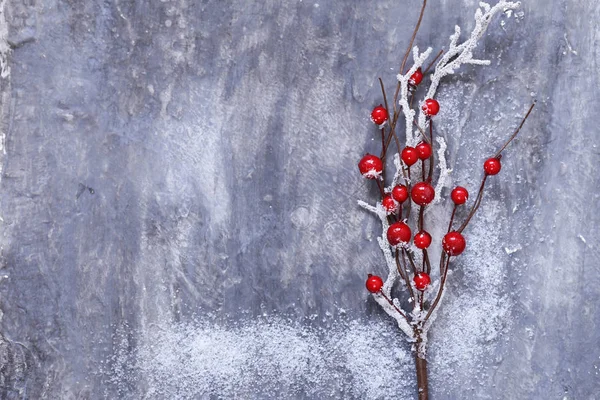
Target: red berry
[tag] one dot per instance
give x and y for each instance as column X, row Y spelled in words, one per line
column 370, row 166
column 410, row 155
column 379, row 115
column 374, row 283
column 422, row 280
column 400, row 193
column 454, row 243
column 423, row 150
column 430, row 107
column 397, row 233
column 459, row 195
column 416, row 78
column 492, row 166
column 422, row 193
column 422, row 240
column 389, row 204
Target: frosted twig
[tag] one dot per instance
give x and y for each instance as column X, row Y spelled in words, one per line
column 459, row 54
column 444, row 170
column 409, row 113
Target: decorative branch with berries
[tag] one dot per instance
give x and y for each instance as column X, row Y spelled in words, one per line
column 411, row 192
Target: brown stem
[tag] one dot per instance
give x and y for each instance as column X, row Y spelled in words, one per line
column 383, row 144
column 427, row 262
column 421, row 366
column 422, row 386
column 433, row 61
column 517, row 131
column 451, row 218
column 393, row 305
column 405, row 276
column 410, row 45
column 380, row 186
column 475, row 205
column 440, row 290
column 412, row 262
column 431, row 159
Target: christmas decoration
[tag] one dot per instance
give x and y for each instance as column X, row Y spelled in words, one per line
column 409, row 264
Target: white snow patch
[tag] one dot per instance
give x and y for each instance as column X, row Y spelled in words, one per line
column 271, row 359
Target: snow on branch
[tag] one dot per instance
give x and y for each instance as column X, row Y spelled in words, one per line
column 459, row 54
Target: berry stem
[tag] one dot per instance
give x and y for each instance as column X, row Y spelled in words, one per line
column 451, row 219
column 497, row 155
column 427, row 262
column 440, row 290
column 431, row 158
column 516, row 131
column 433, row 61
column 380, row 186
column 393, row 305
column 383, row 144
column 475, row 205
column 410, row 45
column 412, row 262
column 405, row 276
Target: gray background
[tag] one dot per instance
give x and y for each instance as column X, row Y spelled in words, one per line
column 178, row 202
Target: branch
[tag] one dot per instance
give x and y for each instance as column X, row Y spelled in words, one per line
column 459, row 54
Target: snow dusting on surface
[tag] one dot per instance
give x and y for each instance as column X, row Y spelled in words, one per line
column 271, row 358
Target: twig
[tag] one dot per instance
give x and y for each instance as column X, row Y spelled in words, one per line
column 481, row 187
column 433, row 61
column 440, row 291
column 516, row 131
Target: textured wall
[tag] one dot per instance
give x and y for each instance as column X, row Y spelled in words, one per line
column 178, row 201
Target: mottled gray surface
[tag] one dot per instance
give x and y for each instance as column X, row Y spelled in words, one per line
column 182, row 163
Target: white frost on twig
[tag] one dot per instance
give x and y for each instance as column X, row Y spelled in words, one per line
column 444, row 170
column 409, row 113
column 459, row 54
column 398, row 174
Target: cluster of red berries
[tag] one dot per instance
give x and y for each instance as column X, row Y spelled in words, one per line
column 422, row 193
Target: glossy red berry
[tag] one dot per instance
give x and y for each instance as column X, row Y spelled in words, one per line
column 422, row 240
column 492, row 166
column 400, row 193
column 416, row 78
column 374, row 283
column 454, row 243
column 422, row 193
column 430, row 107
column 423, row 150
column 409, row 155
column 398, row 233
column 422, row 280
column 379, row 115
column 389, row 204
column 459, row 195
column 370, row 166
